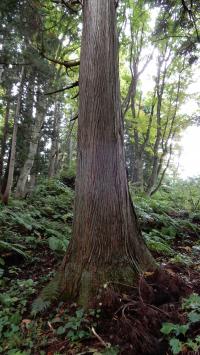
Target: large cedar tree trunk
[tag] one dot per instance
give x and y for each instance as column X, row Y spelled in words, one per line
column 107, row 244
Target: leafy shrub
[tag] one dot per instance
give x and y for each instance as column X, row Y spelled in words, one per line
column 174, row 331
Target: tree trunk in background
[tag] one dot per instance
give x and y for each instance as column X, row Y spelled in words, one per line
column 107, row 244
column 5, row 176
column 9, row 183
column 69, row 145
column 54, row 145
column 21, row 183
column 138, row 178
column 4, row 138
column 160, row 85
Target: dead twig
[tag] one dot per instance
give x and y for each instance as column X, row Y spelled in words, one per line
column 99, row 338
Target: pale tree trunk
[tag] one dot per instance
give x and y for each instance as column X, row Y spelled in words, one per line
column 54, row 145
column 161, row 76
column 107, row 244
column 155, row 181
column 138, row 178
column 9, row 183
column 138, row 158
column 5, row 136
column 5, row 176
column 67, row 150
column 25, row 171
column 137, row 40
column 69, row 145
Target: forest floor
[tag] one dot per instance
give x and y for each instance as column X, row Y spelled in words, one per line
column 158, row 315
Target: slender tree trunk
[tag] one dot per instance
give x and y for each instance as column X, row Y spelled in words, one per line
column 138, row 152
column 107, row 244
column 9, row 184
column 160, row 89
column 4, row 138
column 54, row 145
column 138, row 178
column 5, row 177
column 21, row 183
column 69, row 147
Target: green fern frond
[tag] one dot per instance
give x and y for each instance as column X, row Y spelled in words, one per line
column 39, row 306
column 50, row 293
column 13, row 247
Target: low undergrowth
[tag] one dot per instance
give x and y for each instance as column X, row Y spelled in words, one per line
column 145, row 319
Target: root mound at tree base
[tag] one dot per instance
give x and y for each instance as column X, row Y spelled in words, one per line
column 130, row 319
column 83, row 284
column 133, row 318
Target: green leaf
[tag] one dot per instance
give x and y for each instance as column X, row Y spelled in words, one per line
column 194, row 317
column 178, row 329
column 167, row 328
column 197, row 339
column 192, row 344
column 80, row 313
column 176, row 345
column 56, row 244
column 14, row 247
column 192, row 302
column 61, row 330
column 39, row 305
column 182, row 329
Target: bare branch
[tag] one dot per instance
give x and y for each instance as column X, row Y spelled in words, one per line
column 73, row 85
column 75, row 96
column 67, row 64
column 74, row 118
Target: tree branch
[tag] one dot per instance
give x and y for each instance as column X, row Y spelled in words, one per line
column 75, row 96
column 67, row 64
column 69, row 4
column 74, row 118
column 73, row 85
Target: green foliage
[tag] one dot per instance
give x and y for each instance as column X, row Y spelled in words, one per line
column 176, row 346
column 49, row 294
column 182, row 259
column 40, row 219
column 162, row 224
column 192, row 302
column 156, row 245
column 39, row 305
column 182, row 195
column 175, row 331
column 110, row 351
column 13, row 304
column 58, row 245
column 73, row 327
column 18, row 248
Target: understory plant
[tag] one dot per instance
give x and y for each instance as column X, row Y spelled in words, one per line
column 177, row 334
